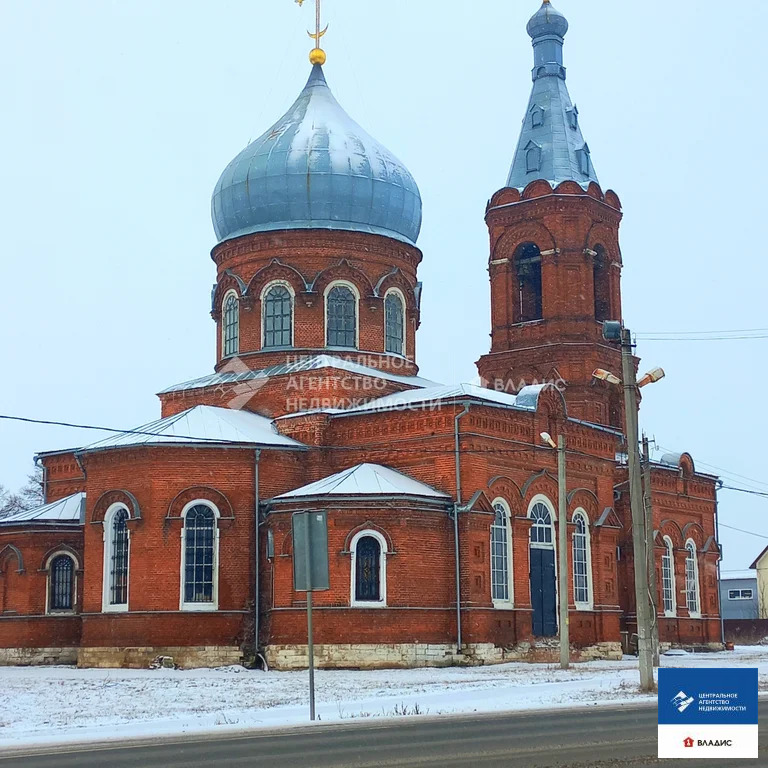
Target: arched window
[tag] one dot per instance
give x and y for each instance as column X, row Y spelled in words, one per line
column 500, row 554
column 230, row 324
column 601, row 283
column 527, row 263
column 278, row 317
column 395, row 323
column 116, row 559
column 668, row 578
column 341, row 317
column 582, row 565
column 61, row 584
column 692, row 580
column 541, row 530
column 369, row 571
column 199, row 551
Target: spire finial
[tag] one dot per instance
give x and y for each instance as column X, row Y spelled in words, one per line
column 317, row 54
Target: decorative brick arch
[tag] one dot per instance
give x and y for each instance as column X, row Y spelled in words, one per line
column 569, row 188
column 368, row 525
column 593, row 190
column 275, row 271
column 344, row 270
column 551, row 403
column 695, row 532
column 505, row 196
column 286, row 548
column 200, row 493
column 396, row 279
column 538, row 188
column 61, row 549
column 507, row 489
column 602, row 234
column 106, row 500
column 515, row 236
column 542, row 483
column 583, row 498
column 228, row 282
column 672, row 529
column 9, row 551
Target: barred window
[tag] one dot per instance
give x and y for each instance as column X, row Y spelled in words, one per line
column 118, row 558
column 231, row 326
column 278, row 317
column 395, row 316
column 692, row 579
column 341, row 317
column 541, row 531
column 500, row 554
column 581, row 565
column 199, row 555
column 369, row 570
column 62, row 583
column 668, row 578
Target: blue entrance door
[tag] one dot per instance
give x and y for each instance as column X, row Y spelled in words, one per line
column 543, row 592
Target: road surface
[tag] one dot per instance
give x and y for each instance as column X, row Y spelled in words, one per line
column 585, row 738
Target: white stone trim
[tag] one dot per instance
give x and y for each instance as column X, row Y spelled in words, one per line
column 352, row 287
column 510, row 603
column 267, row 288
column 589, row 605
column 106, row 606
column 382, row 602
column 49, row 584
column 214, row 604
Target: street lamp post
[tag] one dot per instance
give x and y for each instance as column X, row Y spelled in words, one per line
column 615, row 331
column 562, row 543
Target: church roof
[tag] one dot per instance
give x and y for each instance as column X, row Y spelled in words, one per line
column 202, row 425
column 551, row 145
column 365, row 480
column 316, row 168
column 313, row 363
column 66, row 510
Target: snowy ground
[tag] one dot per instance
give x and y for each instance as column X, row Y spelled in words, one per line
column 62, row 704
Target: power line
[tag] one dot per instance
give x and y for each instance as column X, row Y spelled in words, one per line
column 701, row 333
column 764, row 494
column 741, row 530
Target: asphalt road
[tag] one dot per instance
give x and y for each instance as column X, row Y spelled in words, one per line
column 586, row 738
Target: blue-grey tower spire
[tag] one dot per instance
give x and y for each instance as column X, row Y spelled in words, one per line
column 551, row 145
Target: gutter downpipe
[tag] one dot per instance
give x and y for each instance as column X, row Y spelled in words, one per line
column 456, row 509
column 719, row 560
column 257, row 555
column 39, row 463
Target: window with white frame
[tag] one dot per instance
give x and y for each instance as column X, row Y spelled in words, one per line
column 369, row 570
column 230, row 329
column 668, row 578
column 61, row 584
column 199, row 557
column 740, row 594
column 341, row 317
column 394, row 312
column 278, row 317
column 692, row 579
column 582, row 577
column 500, row 554
column 116, row 559
column 541, row 530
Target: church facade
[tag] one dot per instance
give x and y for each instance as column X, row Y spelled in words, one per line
column 442, row 500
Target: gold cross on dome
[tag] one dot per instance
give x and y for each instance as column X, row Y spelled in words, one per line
column 317, row 55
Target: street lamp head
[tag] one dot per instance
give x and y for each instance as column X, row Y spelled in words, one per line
column 547, row 438
column 603, row 375
column 657, row 374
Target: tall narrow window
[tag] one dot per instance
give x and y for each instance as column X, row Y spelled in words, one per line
column 199, row 552
column 500, row 555
column 528, row 269
column 369, row 555
column 117, row 554
column 395, row 322
column 62, row 582
column 278, row 317
column 341, row 317
column 692, row 580
column 231, row 325
column 668, row 578
column 581, row 562
column 601, row 284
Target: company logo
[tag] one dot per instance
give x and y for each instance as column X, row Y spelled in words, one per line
column 688, row 742
column 682, row 701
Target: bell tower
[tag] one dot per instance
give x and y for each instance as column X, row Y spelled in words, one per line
column 555, row 262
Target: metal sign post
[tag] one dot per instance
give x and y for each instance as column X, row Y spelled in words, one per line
column 310, row 574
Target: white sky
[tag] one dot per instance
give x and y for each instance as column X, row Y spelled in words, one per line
column 119, row 117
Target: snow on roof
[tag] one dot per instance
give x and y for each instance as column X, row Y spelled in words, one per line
column 66, row 510
column 733, row 575
column 202, row 424
column 365, row 480
column 314, row 363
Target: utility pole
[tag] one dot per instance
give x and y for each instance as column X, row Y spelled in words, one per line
column 650, row 546
column 645, row 652
column 562, row 533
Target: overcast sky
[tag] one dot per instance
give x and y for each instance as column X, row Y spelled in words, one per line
column 120, row 116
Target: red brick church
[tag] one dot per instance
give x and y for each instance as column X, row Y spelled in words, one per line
column 175, row 538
